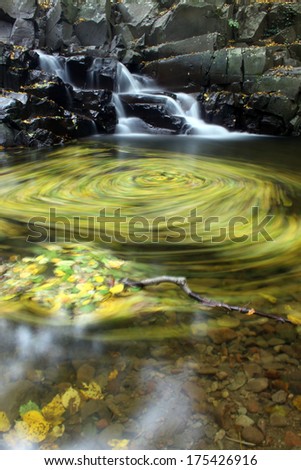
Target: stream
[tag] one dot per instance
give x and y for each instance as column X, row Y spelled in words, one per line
column 87, row 365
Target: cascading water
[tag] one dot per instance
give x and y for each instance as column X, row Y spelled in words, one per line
column 141, row 106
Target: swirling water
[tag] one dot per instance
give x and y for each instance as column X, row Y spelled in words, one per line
column 225, row 214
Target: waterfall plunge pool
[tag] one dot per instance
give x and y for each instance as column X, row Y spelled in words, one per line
column 167, row 374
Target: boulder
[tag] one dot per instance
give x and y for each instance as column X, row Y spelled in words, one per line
column 138, row 16
column 5, row 31
column 205, row 42
column 181, row 73
column 252, row 23
column 54, row 38
column 282, row 16
column 92, row 33
column 172, row 26
column 25, row 9
column 23, row 33
column 256, row 61
column 285, row 36
column 287, row 84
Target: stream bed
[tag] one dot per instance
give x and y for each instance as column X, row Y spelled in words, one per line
column 153, row 369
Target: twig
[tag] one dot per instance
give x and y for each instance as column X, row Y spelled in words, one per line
column 182, row 283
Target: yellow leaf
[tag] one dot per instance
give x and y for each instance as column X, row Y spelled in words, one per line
column 250, row 312
column 295, row 318
column 297, row 402
column 113, row 374
column 117, row 289
column 85, row 286
column 99, row 279
column 71, row 400
column 4, row 422
column 114, row 264
column 37, row 427
column 91, row 391
column 119, row 444
column 54, row 410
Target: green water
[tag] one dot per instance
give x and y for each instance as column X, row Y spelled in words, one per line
column 224, row 213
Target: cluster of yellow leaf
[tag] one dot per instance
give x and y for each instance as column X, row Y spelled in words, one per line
column 46, row 425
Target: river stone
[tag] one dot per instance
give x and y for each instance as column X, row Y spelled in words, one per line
column 252, row 434
column 244, row 421
column 221, row 335
column 17, row 394
column 237, row 382
column 257, row 385
column 278, row 420
column 19, row 8
column 23, row 33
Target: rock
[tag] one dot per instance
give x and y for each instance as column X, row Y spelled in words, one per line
column 278, row 420
column 252, row 23
column 288, row 85
column 252, row 434
column 237, row 382
column 292, row 439
column 257, row 385
column 23, row 33
column 252, row 406
column 172, row 26
column 7, row 135
column 113, row 431
column 25, row 9
column 92, row 33
column 279, row 397
column 286, row 36
column 194, row 392
column 85, row 373
column 244, row 421
column 5, row 31
column 53, row 29
column 181, row 73
column 138, row 16
column 17, row 394
column 251, row 369
column 221, row 335
column 196, row 44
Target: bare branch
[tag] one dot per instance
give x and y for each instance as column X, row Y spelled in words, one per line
column 182, row 283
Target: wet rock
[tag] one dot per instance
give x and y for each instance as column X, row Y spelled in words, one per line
column 292, row 439
column 113, row 431
column 252, row 22
column 21, row 9
column 221, row 335
column 237, row 382
column 252, row 434
column 196, row 44
column 257, row 385
column 18, row 394
column 285, row 36
column 5, row 31
column 252, row 369
column 92, row 407
column 278, row 420
column 244, row 421
column 91, row 33
column 139, row 17
column 252, row 406
column 85, row 373
column 194, row 392
column 279, row 397
column 23, row 33
column 172, row 26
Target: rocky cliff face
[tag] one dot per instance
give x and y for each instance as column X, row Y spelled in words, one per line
column 244, row 62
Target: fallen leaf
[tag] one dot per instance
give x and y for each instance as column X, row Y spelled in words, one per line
column 71, row 400
column 4, row 422
column 91, row 391
column 53, row 411
column 117, row 289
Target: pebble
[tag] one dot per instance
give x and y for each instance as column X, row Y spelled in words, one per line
column 252, row 434
column 292, row 440
column 244, row 421
column 194, row 391
column 221, row 335
column 238, row 381
column 279, row 397
column 257, row 385
column 253, row 406
column 85, row 373
column 278, row 420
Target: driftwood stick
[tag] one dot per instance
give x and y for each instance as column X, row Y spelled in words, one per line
column 182, row 283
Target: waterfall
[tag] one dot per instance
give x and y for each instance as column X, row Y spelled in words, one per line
column 141, row 106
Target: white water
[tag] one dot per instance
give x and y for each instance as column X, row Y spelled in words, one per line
column 142, row 89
